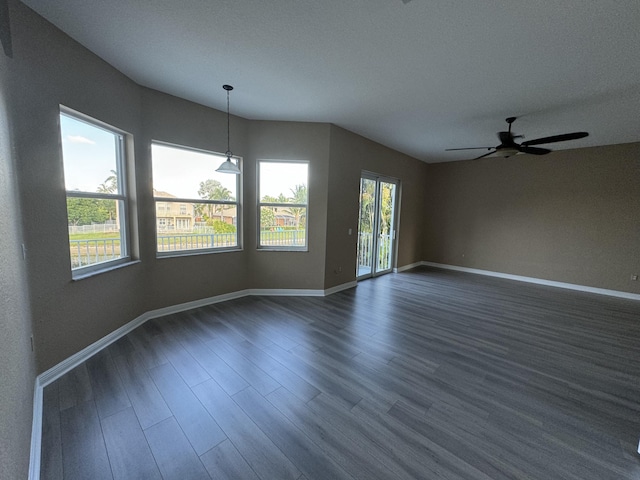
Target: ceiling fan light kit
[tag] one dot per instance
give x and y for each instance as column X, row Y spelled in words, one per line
column 508, row 146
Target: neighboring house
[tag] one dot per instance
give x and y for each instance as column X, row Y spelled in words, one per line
column 173, row 216
column 182, row 217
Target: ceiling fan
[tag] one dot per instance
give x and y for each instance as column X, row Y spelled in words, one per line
column 509, row 147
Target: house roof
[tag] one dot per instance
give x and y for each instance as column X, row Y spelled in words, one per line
column 419, row 76
column 160, row 193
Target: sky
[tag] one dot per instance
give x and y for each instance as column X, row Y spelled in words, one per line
column 179, row 171
column 281, row 177
column 89, row 158
column 89, row 154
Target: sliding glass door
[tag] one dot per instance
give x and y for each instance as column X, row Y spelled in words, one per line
column 376, row 225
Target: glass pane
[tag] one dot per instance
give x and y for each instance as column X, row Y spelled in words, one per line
column 385, row 229
column 283, row 182
column 365, row 226
column 90, row 156
column 194, row 226
column 283, row 226
column 184, row 173
column 94, row 230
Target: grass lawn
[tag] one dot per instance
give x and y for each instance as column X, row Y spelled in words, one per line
column 93, row 236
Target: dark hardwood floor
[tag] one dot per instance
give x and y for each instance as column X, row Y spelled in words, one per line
column 427, row 374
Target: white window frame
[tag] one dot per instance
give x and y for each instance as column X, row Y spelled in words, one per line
column 121, row 197
column 218, row 158
column 292, row 248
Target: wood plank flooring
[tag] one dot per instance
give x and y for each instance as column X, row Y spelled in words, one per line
column 427, row 374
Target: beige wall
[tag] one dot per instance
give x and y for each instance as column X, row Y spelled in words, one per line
column 17, row 362
column 571, row 216
column 289, row 141
column 350, row 155
column 177, row 280
column 50, row 69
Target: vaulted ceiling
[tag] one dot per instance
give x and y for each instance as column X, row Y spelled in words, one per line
column 419, row 76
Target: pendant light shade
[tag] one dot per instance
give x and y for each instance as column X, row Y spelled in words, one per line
column 228, row 166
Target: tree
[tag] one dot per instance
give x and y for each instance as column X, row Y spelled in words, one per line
column 267, row 218
column 386, row 204
column 214, row 190
column 299, row 196
column 85, row 211
column 110, row 185
column 367, row 206
column 222, row 227
column 269, row 199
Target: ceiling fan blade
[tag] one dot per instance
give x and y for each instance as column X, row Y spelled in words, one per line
column 556, row 138
column 534, row 150
column 485, row 155
column 470, row 148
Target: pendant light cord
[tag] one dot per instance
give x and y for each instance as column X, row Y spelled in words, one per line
column 228, row 88
column 228, row 127
column 228, row 166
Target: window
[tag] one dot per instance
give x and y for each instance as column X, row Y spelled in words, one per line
column 197, row 208
column 283, row 205
column 95, row 180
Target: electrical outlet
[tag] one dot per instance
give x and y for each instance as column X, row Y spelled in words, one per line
column 634, row 277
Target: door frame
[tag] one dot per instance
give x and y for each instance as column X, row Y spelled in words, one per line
column 395, row 221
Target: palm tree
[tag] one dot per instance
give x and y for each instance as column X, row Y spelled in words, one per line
column 299, row 196
column 214, row 190
column 110, row 185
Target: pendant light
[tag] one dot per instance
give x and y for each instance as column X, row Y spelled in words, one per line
column 228, row 166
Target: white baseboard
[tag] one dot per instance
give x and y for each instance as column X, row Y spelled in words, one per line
column 281, row 292
column 76, row 359
column 340, row 288
column 404, row 268
column 539, row 281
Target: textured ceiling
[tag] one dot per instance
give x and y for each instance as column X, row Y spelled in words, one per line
column 418, row 76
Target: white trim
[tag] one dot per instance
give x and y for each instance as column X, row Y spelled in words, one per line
column 76, row 359
column 407, row 267
column 36, row 433
column 538, row 281
column 339, row 288
column 279, row 292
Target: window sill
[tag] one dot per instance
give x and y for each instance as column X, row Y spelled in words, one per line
column 190, row 253
column 93, row 273
column 282, row 249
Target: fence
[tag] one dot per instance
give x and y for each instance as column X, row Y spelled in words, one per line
column 91, row 251
column 365, row 253
column 283, row 238
column 94, row 228
column 88, row 252
column 172, row 243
